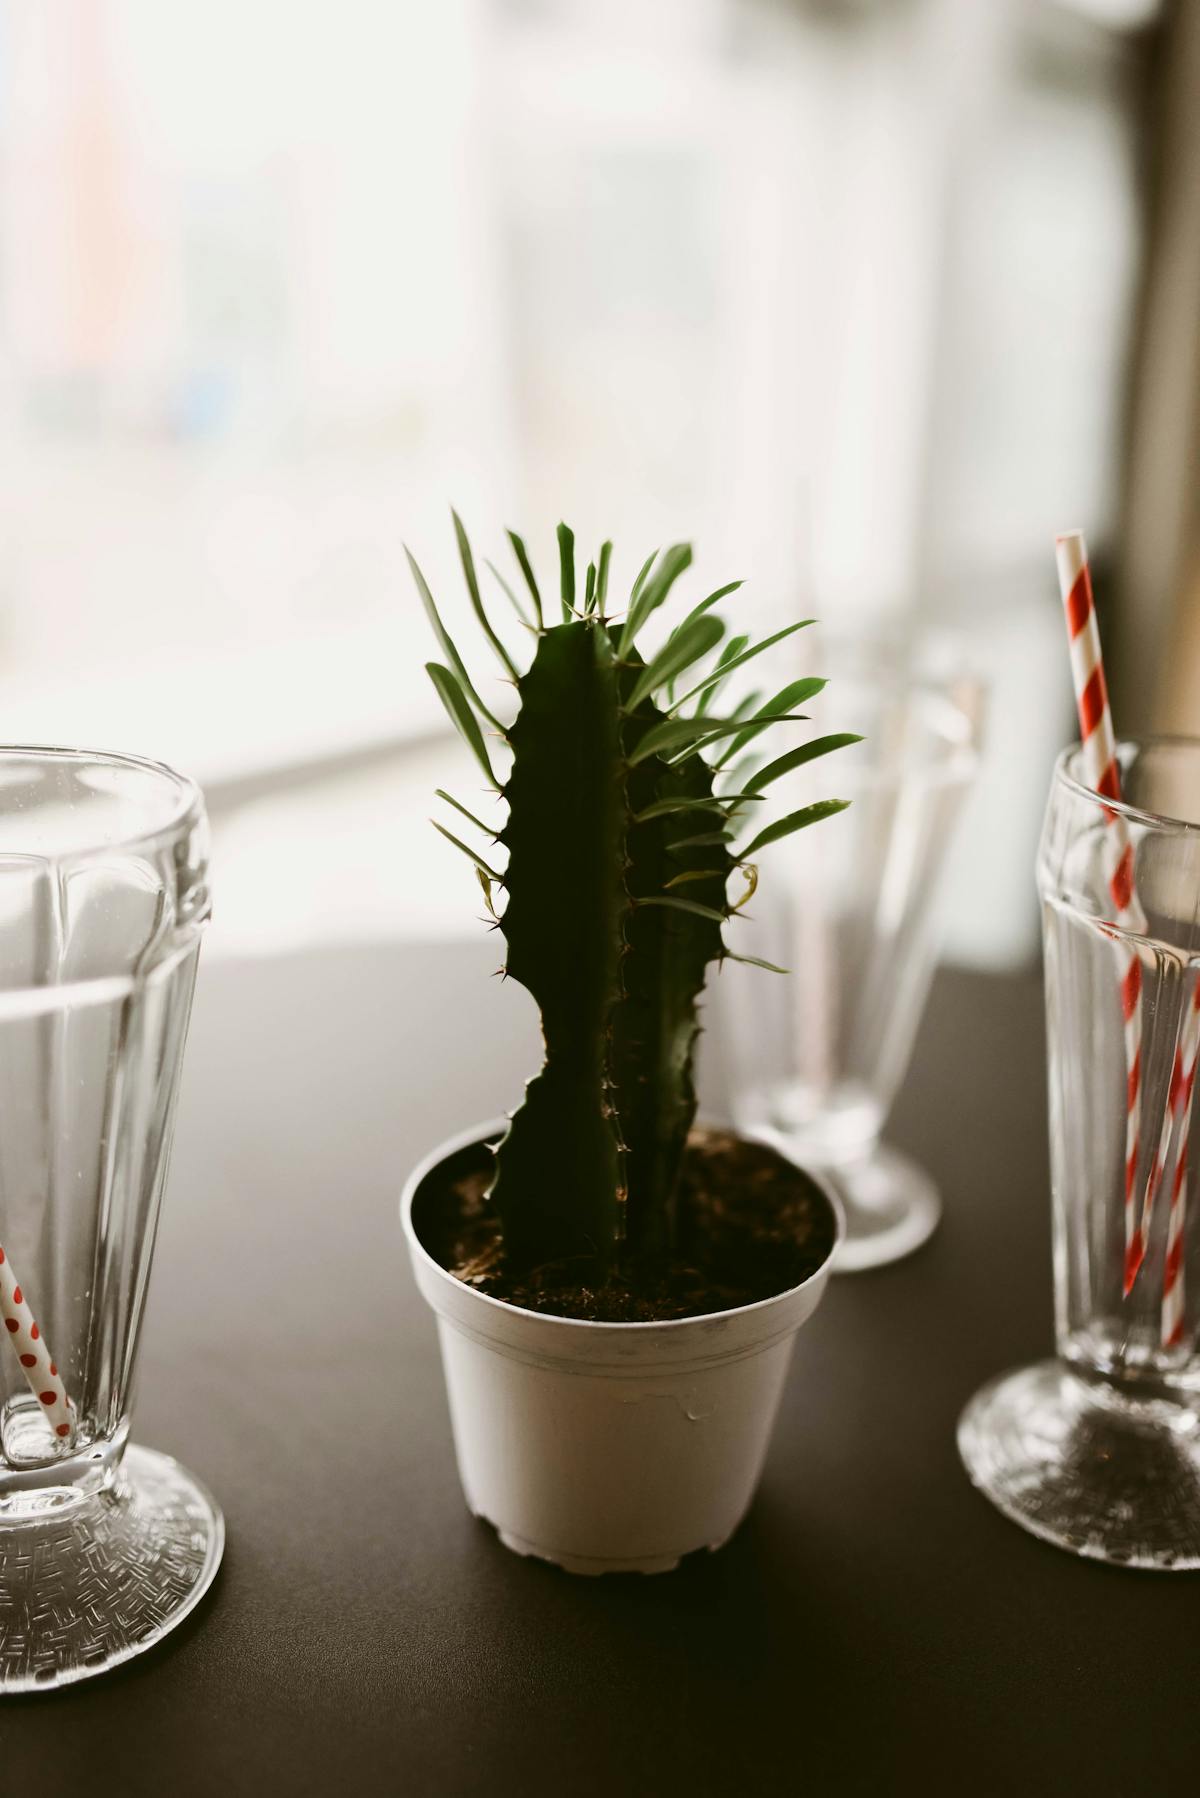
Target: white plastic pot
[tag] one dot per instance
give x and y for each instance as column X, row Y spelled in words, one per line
column 608, row 1448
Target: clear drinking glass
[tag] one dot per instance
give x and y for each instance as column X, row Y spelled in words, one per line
column 1098, row 1450
column 849, row 909
column 103, row 900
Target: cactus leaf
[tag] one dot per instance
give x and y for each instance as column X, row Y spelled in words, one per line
column 673, row 733
column 668, row 735
column 682, row 737
column 685, row 905
column 690, row 874
column 709, row 688
column 749, row 870
column 746, row 705
column 486, row 883
column 461, row 716
column 566, row 569
column 472, row 580
column 589, row 590
column 745, row 655
column 653, row 592
column 467, row 850
column 756, row 961
column 676, row 654
column 776, row 711
column 665, row 808
column 796, row 758
column 522, row 555
column 470, row 816
column 444, row 638
column 510, row 595
column 739, row 774
column 706, row 604
column 705, row 840
column 784, row 827
column 602, row 576
column 642, row 573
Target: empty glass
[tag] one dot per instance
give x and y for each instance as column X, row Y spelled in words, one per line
column 103, row 899
column 849, row 909
column 1099, row 1450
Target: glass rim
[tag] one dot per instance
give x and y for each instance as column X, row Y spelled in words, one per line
column 1162, row 822
column 183, row 816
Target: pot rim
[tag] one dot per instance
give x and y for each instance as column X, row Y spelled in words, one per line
column 482, row 1133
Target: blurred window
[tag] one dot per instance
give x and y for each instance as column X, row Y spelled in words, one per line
column 841, row 289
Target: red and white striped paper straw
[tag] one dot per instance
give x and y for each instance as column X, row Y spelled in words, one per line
column 33, row 1352
column 1104, row 777
column 1183, row 1080
column 1178, row 1093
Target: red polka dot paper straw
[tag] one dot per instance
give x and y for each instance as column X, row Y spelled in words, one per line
column 1104, row 777
column 1183, row 1080
column 33, row 1352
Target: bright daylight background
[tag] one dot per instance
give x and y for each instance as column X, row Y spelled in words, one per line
column 843, row 290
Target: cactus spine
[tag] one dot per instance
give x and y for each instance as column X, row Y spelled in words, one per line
column 619, row 848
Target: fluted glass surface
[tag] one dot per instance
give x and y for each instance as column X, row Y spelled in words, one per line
column 103, row 900
column 1113, row 1181
column 849, row 909
column 1100, row 1449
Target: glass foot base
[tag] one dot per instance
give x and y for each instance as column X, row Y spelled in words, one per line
column 102, row 1577
column 891, row 1206
column 1114, row 1478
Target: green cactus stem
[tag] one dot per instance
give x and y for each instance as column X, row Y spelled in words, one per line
column 619, row 849
column 558, row 1171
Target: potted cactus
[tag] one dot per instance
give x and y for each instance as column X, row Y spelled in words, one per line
column 616, row 1291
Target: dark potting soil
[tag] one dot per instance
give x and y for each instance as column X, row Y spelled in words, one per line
column 751, row 1225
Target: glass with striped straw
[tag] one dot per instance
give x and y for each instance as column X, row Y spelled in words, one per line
column 1098, row 1449
column 104, row 1546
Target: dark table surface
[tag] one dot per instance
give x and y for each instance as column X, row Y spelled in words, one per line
column 874, row 1627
